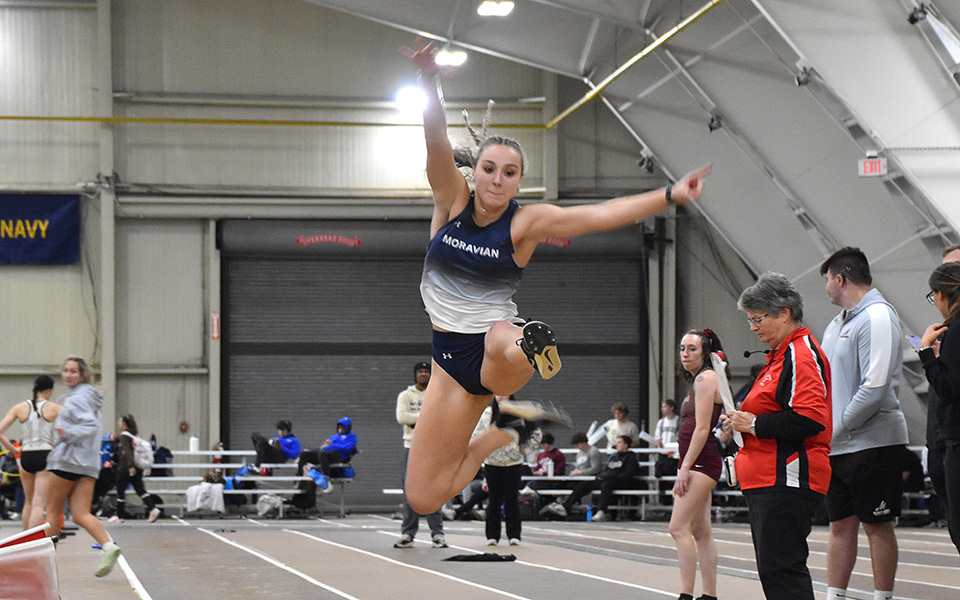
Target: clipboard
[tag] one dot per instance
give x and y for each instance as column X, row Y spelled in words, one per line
column 720, row 368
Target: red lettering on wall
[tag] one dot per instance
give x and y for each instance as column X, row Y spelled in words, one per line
column 328, row 238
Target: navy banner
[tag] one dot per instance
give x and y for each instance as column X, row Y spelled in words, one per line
column 39, row 229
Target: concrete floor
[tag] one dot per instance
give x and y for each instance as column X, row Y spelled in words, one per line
column 354, row 558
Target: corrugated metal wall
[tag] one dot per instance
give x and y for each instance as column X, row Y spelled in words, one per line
column 312, row 339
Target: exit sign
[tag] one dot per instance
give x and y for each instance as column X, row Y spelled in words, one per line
column 873, row 167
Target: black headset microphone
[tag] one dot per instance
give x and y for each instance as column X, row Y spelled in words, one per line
column 747, row 353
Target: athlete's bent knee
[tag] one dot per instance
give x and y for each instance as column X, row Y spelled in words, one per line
column 422, row 502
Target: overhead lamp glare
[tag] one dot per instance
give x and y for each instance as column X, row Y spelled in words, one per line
column 489, row 8
column 446, row 58
column 411, row 100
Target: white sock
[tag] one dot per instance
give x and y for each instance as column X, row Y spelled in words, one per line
column 836, row 593
column 881, row 595
column 108, row 544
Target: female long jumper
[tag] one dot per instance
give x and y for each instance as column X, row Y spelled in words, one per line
column 480, row 242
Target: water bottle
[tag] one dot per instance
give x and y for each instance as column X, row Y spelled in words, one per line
column 589, row 513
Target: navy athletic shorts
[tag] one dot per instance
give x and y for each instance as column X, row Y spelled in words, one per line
column 460, row 355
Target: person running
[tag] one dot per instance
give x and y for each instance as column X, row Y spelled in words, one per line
column 74, row 462
column 480, row 241
column 700, row 465
column 36, row 417
column 129, row 474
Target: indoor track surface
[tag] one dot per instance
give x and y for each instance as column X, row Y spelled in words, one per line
column 207, row 559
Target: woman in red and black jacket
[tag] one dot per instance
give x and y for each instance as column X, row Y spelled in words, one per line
column 784, row 464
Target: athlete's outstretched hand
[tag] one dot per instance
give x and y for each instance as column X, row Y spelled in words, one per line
column 690, row 185
column 424, row 56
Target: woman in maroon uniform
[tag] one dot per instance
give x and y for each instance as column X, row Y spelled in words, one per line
column 699, row 465
column 784, row 464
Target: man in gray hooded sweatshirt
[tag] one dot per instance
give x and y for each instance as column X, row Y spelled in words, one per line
column 863, row 345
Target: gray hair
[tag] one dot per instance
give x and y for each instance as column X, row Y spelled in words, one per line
column 769, row 294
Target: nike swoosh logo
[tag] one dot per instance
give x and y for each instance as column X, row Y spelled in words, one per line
column 546, row 355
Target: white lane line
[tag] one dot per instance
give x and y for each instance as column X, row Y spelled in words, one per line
column 407, row 565
column 337, row 523
column 738, row 558
column 132, row 578
column 279, row 564
column 376, row 516
column 261, row 524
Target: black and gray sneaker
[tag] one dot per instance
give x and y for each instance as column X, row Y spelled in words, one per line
column 535, row 412
column 505, row 421
column 540, row 346
column 405, row 541
column 525, row 417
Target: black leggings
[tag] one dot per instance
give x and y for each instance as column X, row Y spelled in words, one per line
column 123, row 478
column 951, row 472
column 321, row 458
column 504, row 486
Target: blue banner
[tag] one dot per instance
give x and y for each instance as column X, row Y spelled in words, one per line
column 39, row 229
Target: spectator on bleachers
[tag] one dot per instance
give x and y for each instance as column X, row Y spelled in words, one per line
column 589, row 461
column 285, row 446
column 745, row 388
column 474, row 496
column 619, row 426
column 618, row 472
column 337, row 449
column 550, row 456
column 665, row 434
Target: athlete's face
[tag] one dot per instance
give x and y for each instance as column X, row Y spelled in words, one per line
column 691, row 353
column 71, row 373
column 497, row 176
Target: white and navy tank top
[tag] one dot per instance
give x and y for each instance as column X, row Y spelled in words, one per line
column 38, row 433
column 469, row 275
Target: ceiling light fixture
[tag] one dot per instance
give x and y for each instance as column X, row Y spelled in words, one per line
column 489, row 8
column 446, row 58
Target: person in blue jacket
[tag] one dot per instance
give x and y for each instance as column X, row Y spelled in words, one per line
column 339, row 448
column 280, row 449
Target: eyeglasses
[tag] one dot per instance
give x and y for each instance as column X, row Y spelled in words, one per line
column 756, row 320
column 930, row 297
